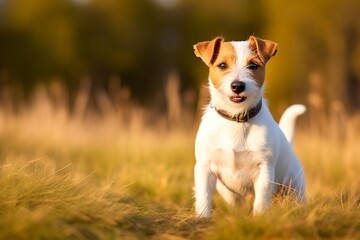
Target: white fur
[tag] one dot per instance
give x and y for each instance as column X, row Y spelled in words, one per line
column 288, row 119
column 238, row 158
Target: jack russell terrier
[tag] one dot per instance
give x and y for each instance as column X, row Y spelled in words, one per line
column 239, row 148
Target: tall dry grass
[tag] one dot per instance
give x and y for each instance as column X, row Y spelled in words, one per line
column 104, row 168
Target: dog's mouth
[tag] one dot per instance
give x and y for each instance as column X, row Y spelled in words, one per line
column 237, row 99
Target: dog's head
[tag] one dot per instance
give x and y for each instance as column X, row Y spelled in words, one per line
column 236, row 71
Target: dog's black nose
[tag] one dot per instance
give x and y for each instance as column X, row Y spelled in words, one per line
column 238, row 86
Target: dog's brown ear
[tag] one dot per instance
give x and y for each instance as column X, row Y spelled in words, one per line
column 208, row 51
column 264, row 48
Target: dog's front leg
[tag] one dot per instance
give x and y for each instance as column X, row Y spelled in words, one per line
column 204, row 186
column 263, row 188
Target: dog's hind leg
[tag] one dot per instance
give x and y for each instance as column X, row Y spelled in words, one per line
column 299, row 187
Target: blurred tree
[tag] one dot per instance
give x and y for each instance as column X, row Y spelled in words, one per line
column 141, row 42
column 37, row 39
column 319, row 37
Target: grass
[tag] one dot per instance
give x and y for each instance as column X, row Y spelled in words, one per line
column 142, row 188
column 96, row 191
column 61, row 178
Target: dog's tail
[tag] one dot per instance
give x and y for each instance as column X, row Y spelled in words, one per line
column 288, row 120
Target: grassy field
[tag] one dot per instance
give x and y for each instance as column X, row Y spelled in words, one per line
column 69, row 181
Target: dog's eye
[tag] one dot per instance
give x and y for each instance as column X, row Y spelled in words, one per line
column 252, row 66
column 223, row 66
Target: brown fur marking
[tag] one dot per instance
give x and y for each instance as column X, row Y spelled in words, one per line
column 259, row 73
column 226, row 55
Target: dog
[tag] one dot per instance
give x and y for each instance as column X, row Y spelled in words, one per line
column 239, row 148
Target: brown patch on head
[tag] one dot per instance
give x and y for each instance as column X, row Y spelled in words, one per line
column 262, row 51
column 259, row 73
column 224, row 63
column 220, row 56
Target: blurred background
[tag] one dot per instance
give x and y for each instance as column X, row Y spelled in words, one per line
column 100, row 101
column 132, row 62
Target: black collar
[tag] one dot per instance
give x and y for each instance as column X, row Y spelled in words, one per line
column 242, row 116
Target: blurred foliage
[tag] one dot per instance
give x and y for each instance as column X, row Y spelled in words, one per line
column 140, row 42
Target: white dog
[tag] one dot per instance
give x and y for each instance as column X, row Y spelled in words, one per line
column 239, row 148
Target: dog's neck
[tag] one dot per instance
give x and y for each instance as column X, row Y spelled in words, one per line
column 241, row 117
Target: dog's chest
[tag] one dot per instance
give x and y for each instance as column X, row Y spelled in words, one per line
column 237, row 170
column 237, row 151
